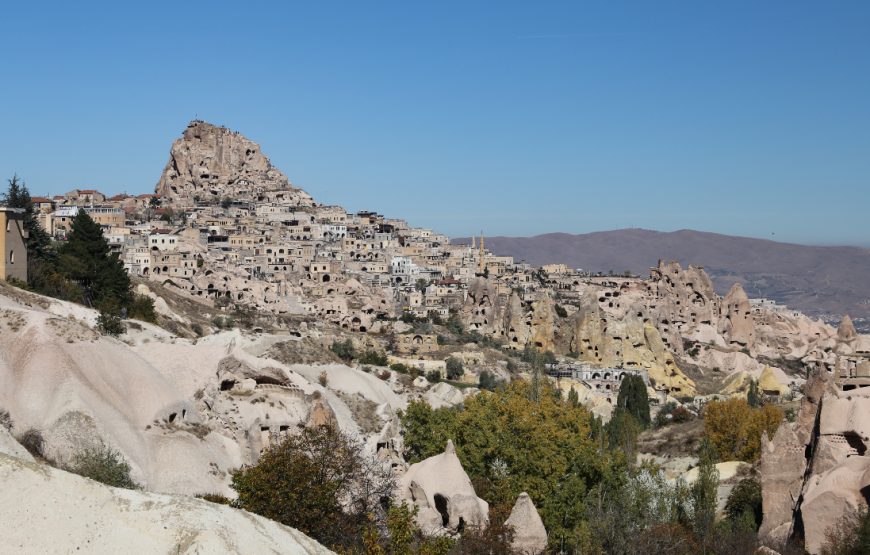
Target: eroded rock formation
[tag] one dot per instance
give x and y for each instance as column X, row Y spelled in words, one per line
column 210, row 163
column 443, row 493
column 530, row 536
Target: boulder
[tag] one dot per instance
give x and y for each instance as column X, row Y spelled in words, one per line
column 443, row 493
column 530, row 536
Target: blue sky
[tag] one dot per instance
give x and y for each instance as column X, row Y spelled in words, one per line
column 517, row 118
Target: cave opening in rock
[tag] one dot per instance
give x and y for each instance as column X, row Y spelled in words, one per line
column 856, row 443
column 441, row 506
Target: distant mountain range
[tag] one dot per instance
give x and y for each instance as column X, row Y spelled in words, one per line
column 820, row 281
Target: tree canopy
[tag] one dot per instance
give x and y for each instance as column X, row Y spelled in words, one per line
column 85, row 259
column 633, row 399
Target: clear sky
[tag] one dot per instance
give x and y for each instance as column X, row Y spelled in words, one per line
column 517, row 118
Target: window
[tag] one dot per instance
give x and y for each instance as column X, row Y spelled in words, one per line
column 12, row 257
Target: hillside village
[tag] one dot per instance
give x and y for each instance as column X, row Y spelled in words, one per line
column 256, row 284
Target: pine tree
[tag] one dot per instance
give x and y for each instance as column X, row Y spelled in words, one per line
column 633, row 398
column 86, row 260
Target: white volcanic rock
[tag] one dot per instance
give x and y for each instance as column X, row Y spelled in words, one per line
column 443, row 394
column 45, row 510
column 182, row 413
column 8, row 446
column 530, row 536
column 210, row 163
column 443, row 492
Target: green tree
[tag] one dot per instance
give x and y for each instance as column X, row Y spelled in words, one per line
column 633, row 398
column 343, row 349
column 319, row 482
column 753, row 396
column 487, row 381
column 455, row 370
column 509, row 443
column 86, row 260
column 622, row 432
column 573, row 397
column 704, row 495
column 744, row 499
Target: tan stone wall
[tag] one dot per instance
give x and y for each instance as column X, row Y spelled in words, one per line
column 416, row 343
column 13, row 263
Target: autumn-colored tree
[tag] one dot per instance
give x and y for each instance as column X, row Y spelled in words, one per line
column 734, row 428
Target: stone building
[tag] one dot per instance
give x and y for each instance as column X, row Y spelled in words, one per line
column 416, row 343
column 13, row 251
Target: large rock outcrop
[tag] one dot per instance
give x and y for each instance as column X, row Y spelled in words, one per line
column 46, row 510
column 815, row 471
column 210, row 163
column 443, row 493
column 530, row 536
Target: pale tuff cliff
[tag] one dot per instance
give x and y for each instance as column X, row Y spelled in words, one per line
column 210, row 163
column 816, row 471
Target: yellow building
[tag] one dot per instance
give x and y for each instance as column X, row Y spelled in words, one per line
column 106, row 216
column 13, row 263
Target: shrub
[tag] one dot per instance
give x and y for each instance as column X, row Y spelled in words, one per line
column 6, row 420
column 104, row 465
column 561, row 312
column 197, row 329
column 433, row 376
column 681, row 414
column 142, row 308
column 850, row 537
column 109, row 323
column 455, row 370
column 223, row 322
column 400, row 368
column 32, row 441
column 343, row 349
column 745, row 498
column 214, row 498
column 487, row 381
column 374, row 358
column 323, row 379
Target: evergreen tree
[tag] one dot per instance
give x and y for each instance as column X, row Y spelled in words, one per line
column 753, row 397
column 573, row 397
column 633, row 399
column 704, row 495
column 86, row 260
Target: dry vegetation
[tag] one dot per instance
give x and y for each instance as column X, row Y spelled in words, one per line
column 674, row 440
column 364, row 412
